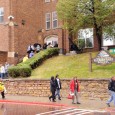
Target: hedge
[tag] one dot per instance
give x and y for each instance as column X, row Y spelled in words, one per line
column 16, row 71
column 24, row 69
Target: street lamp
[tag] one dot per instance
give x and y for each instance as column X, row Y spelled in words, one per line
column 11, row 21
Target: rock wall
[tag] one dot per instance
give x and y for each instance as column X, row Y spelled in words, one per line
column 90, row 88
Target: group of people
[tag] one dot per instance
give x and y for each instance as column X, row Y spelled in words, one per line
column 55, row 86
column 32, row 49
column 74, row 89
column 4, row 70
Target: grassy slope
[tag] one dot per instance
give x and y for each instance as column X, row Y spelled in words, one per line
column 69, row 66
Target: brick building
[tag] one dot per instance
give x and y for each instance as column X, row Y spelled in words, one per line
column 37, row 23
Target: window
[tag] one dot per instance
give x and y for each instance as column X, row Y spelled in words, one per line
column 1, row 15
column 108, row 39
column 54, row 20
column 48, row 21
column 47, row 0
column 85, row 38
column 108, row 36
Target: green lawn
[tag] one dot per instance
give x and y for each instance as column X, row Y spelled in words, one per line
column 69, row 66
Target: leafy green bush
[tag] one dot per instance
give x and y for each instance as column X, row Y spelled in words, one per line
column 16, row 71
column 24, row 69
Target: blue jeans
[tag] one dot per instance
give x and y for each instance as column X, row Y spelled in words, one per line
column 2, row 75
column 112, row 97
column 57, row 93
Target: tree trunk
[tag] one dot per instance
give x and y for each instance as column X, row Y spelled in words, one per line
column 99, row 36
column 98, row 29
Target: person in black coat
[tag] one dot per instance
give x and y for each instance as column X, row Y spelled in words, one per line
column 52, row 89
column 111, row 88
column 58, row 87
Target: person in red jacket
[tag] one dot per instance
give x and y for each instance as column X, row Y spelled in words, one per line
column 74, row 88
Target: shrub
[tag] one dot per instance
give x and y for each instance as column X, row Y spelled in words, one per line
column 24, row 69
column 16, row 71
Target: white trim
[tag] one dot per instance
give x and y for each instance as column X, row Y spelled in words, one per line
column 2, row 15
column 54, row 20
column 86, row 35
column 47, row 1
column 48, row 21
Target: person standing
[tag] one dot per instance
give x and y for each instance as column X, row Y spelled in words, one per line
column 2, row 71
column 111, row 88
column 58, row 87
column 31, row 54
column 38, row 48
column 45, row 46
column 74, row 88
column 52, row 89
column 25, row 58
column 6, row 69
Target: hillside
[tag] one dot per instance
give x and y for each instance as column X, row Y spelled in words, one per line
column 69, row 66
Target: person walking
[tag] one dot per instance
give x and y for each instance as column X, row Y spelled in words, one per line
column 74, row 88
column 58, row 87
column 111, row 88
column 52, row 89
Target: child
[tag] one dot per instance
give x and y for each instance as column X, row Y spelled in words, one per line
column 2, row 89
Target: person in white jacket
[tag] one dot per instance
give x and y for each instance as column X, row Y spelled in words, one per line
column 2, row 71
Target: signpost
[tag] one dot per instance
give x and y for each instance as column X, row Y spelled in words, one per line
column 102, row 58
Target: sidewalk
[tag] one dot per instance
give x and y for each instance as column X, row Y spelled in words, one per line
column 85, row 103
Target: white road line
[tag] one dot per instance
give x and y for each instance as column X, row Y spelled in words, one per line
column 53, row 111
column 64, row 112
column 79, row 112
column 91, row 112
column 100, row 111
column 85, row 113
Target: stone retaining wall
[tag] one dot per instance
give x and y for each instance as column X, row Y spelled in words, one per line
column 90, row 88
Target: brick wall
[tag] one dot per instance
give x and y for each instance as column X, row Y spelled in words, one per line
column 90, row 88
column 4, row 36
column 3, row 57
column 16, row 39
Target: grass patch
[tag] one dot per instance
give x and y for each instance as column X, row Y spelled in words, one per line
column 69, row 66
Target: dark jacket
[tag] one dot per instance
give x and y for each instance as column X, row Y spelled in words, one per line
column 52, row 85
column 111, row 85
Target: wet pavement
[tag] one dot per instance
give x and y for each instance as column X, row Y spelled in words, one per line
column 29, row 105
column 20, row 109
column 13, row 108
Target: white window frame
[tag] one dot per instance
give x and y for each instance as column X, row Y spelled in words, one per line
column 109, row 41
column 47, row 0
column 2, row 15
column 86, row 38
column 53, row 13
column 48, row 21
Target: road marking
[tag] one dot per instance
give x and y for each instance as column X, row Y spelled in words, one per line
column 68, row 111
column 53, row 111
column 85, row 113
column 79, row 112
column 64, row 111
